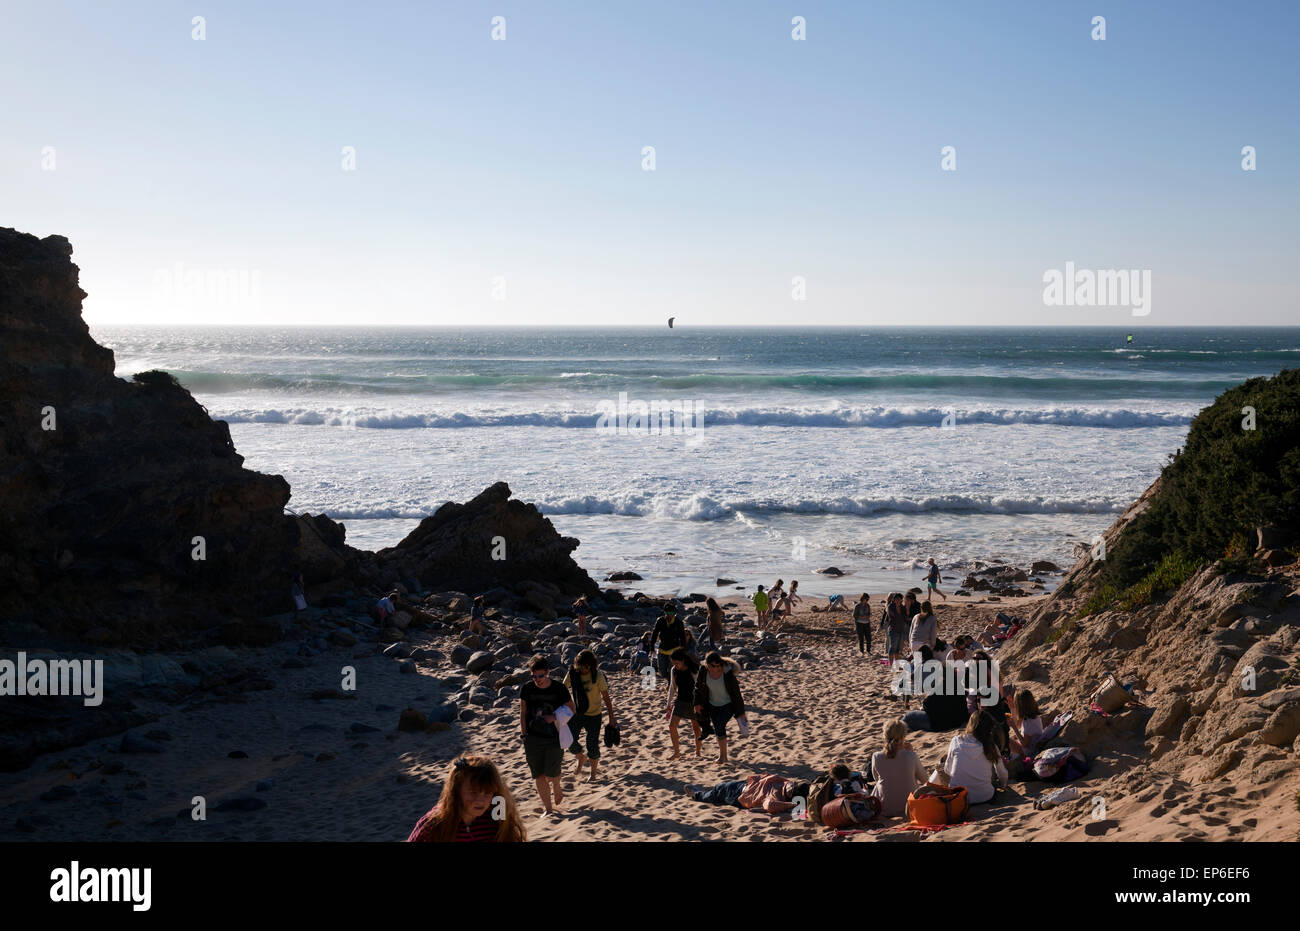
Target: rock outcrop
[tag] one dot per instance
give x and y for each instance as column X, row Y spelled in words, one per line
column 126, row 516
column 105, row 484
column 492, row 540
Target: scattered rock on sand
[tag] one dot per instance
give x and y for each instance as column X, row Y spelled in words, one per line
column 627, row 575
column 480, row 661
column 830, row 570
column 412, row 720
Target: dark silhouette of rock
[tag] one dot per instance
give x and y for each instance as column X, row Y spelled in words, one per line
column 455, row 547
column 105, row 483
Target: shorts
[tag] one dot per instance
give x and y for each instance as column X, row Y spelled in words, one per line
column 718, row 717
column 684, row 708
column 545, row 756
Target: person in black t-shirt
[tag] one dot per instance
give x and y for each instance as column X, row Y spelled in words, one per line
column 670, row 633
column 538, row 702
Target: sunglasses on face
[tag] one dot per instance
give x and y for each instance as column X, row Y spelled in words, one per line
column 539, row 675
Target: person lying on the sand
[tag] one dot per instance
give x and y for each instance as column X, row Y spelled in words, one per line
column 681, row 698
column 717, row 693
column 974, row 760
column 769, row 793
column 897, row 770
column 476, row 805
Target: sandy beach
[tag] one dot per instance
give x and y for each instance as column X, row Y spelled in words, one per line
column 823, row 703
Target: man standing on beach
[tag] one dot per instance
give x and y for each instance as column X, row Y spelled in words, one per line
column 761, row 605
column 670, row 633
column 932, row 581
column 538, row 702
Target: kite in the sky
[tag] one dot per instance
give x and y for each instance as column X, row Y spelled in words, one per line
column 1130, row 338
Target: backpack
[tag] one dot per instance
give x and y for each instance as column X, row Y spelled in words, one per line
column 1060, row 764
column 933, row 804
column 849, row 810
column 821, row 793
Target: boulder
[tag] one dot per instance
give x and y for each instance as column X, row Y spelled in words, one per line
column 460, row 655
column 480, row 661
column 626, row 575
column 453, row 548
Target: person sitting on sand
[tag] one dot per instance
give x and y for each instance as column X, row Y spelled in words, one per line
column 897, row 771
column 1026, row 724
column 924, row 632
column 538, row 702
column 716, row 618
column 589, row 689
column 961, row 649
column 475, row 805
column 761, row 606
column 862, row 623
column 681, row 698
column 974, row 760
column 670, row 633
column 717, row 693
column 932, row 581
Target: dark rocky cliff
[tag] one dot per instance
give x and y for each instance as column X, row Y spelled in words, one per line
column 98, row 515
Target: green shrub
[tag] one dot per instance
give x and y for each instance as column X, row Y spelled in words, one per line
column 1172, row 571
column 1223, row 483
column 1102, row 599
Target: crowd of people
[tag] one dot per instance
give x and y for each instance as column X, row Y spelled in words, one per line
column 561, row 714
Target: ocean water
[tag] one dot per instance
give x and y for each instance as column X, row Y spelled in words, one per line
column 788, row 450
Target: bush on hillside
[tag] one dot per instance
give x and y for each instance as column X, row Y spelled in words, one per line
column 1225, row 481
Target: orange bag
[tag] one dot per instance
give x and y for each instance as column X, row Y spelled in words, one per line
column 937, row 804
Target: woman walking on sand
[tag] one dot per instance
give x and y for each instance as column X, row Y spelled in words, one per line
column 897, row 622
column 717, row 694
column 681, row 698
column 715, row 623
column 862, row 623
column 476, row 805
column 586, row 683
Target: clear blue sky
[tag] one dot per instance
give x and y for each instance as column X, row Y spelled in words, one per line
column 521, row 159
